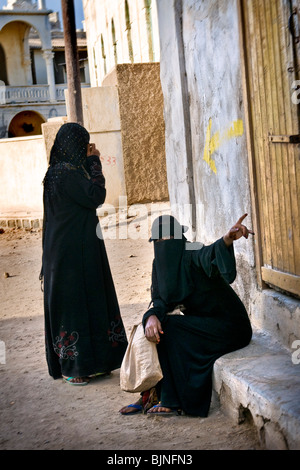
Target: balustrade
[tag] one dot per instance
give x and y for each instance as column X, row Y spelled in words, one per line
column 30, row 94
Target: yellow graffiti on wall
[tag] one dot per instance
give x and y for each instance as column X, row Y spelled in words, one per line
column 212, row 143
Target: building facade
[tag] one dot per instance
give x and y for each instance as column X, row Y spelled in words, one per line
column 120, row 32
column 32, row 67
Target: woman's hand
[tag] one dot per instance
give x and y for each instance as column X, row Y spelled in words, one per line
column 153, row 329
column 91, row 150
column 237, row 231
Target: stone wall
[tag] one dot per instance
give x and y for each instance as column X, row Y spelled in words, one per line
column 142, row 130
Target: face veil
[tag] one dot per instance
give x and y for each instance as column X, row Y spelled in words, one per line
column 174, row 281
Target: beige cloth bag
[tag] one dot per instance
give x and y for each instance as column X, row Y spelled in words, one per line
column 140, row 368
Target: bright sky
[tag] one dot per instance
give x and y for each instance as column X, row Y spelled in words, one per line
column 55, row 5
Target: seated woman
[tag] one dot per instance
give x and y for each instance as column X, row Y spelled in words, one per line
column 214, row 320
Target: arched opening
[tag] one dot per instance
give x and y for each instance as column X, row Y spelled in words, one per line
column 29, row 58
column 128, row 29
column 147, row 4
column 113, row 33
column 14, row 41
column 3, row 72
column 26, row 123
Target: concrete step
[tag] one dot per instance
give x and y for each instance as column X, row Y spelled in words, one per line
column 261, row 383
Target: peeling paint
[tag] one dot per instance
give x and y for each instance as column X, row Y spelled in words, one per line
column 212, row 143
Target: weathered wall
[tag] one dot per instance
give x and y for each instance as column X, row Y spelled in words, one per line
column 101, row 117
column 176, row 115
column 142, row 130
column 206, row 143
column 220, row 165
column 23, row 165
column 211, row 60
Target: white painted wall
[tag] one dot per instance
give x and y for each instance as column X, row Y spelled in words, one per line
column 176, row 150
column 101, row 116
column 23, row 165
column 40, row 67
column 212, row 65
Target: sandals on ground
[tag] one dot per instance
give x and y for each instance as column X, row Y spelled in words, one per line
column 70, row 380
column 172, row 412
column 135, row 409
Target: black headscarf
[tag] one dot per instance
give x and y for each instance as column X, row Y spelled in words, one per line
column 68, row 153
column 174, row 280
column 70, row 145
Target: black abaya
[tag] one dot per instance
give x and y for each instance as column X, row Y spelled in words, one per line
column 83, row 326
column 214, row 323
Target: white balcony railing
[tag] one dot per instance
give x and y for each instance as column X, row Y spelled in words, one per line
column 30, row 94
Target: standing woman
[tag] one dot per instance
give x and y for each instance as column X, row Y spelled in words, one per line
column 84, row 331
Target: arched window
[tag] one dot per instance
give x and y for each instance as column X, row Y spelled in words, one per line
column 147, row 4
column 128, row 29
column 3, row 72
column 26, row 123
column 113, row 33
column 103, row 54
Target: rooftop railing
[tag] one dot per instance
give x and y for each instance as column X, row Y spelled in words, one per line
column 10, row 95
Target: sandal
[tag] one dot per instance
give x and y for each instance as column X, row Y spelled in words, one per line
column 172, row 412
column 149, row 398
column 70, row 380
column 136, row 409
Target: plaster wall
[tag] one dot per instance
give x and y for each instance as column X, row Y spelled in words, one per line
column 174, row 110
column 40, row 68
column 219, row 148
column 23, row 165
column 205, row 49
column 101, row 117
column 98, row 21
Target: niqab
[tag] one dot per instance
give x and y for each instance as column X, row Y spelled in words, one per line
column 171, row 265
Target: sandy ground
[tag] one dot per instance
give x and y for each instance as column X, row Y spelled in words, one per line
column 38, row 413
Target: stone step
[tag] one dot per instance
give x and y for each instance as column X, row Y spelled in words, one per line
column 261, row 383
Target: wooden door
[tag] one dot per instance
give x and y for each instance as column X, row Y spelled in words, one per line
column 271, row 51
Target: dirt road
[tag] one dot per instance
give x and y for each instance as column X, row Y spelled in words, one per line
column 38, row 413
